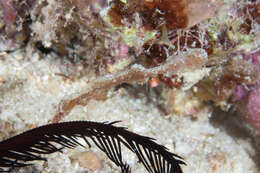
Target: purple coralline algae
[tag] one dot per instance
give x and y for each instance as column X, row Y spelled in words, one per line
column 253, row 107
column 252, row 100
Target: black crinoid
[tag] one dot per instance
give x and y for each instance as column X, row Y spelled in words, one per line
column 19, row 150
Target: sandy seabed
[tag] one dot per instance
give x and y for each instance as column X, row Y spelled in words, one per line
column 32, row 93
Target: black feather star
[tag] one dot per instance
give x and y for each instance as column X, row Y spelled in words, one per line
column 19, row 150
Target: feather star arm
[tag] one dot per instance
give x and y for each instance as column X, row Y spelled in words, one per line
column 19, row 150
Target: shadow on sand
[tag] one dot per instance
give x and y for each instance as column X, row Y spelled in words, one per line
column 235, row 126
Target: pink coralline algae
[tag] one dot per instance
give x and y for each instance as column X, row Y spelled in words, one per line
column 9, row 12
column 123, row 51
column 250, row 96
column 239, row 93
column 253, row 107
column 254, row 57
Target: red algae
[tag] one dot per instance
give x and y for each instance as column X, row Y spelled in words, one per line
column 254, row 11
column 183, row 40
column 171, row 82
column 153, row 14
column 155, row 53
column 174, row 14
